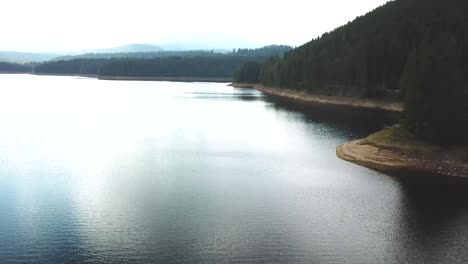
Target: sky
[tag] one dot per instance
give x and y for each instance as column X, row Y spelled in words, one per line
column 66, row 26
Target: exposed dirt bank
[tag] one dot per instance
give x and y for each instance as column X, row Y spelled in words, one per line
column 323, row 99
column 391, row 150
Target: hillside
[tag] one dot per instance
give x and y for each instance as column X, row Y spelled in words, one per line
column 122, row 51
column 367, row 56
column 203, row 64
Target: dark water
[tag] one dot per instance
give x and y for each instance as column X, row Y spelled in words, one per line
column 156, row 172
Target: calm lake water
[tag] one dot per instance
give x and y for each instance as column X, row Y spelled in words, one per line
column 159, row 172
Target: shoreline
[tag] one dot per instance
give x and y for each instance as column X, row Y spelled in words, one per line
column 300, row 96
column 126, row 78
column 392, row 157
column 168, row 79
column 391, row 150
column 66, row 75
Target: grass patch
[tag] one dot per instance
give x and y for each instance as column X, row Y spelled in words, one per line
column 396, row 137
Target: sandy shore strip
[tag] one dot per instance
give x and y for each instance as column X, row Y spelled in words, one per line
column 399, row 160
column 329, row 100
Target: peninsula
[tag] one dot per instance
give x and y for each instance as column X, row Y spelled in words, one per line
column 396, row 58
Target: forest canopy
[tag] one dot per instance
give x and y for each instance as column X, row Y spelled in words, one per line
column 7, row 67
column 367, row 56
column 161, row 64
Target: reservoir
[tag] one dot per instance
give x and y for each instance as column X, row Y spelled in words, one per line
column 164, row 172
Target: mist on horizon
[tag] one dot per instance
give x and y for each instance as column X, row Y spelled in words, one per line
column 62, row 26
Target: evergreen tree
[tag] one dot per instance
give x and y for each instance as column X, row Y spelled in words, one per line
column 436, row 100
column 249, row 72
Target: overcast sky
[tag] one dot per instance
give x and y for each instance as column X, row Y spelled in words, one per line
column 62, row 25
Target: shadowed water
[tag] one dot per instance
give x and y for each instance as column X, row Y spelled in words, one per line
column 158, row 172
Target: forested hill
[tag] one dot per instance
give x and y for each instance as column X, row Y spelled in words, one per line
column 418, row 48
column 368, row 55
column 202, row 64
column 201, row 67
column 140, row 55
column 263, row 52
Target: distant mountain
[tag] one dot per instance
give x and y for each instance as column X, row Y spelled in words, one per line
column 23, row 57
column 138, row 50
column 127, row 49
column 142, row 51
column 219, row 44
column 176, row 46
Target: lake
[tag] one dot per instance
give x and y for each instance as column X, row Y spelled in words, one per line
column 164, row 172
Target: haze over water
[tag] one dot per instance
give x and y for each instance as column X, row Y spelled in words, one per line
column 158, row 172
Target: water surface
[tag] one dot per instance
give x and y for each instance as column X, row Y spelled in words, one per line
column 159, row 172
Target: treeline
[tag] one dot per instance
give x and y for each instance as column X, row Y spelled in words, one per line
column 142, row 55
column 7, row 67
column 221, row 66
column 264, row 52
column 418, row 48
column 366, row 57
column 71, row 67
column 202, row 64
column 267, row 51
column 203, row 67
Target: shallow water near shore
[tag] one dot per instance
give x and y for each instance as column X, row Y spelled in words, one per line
column 160, row 172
